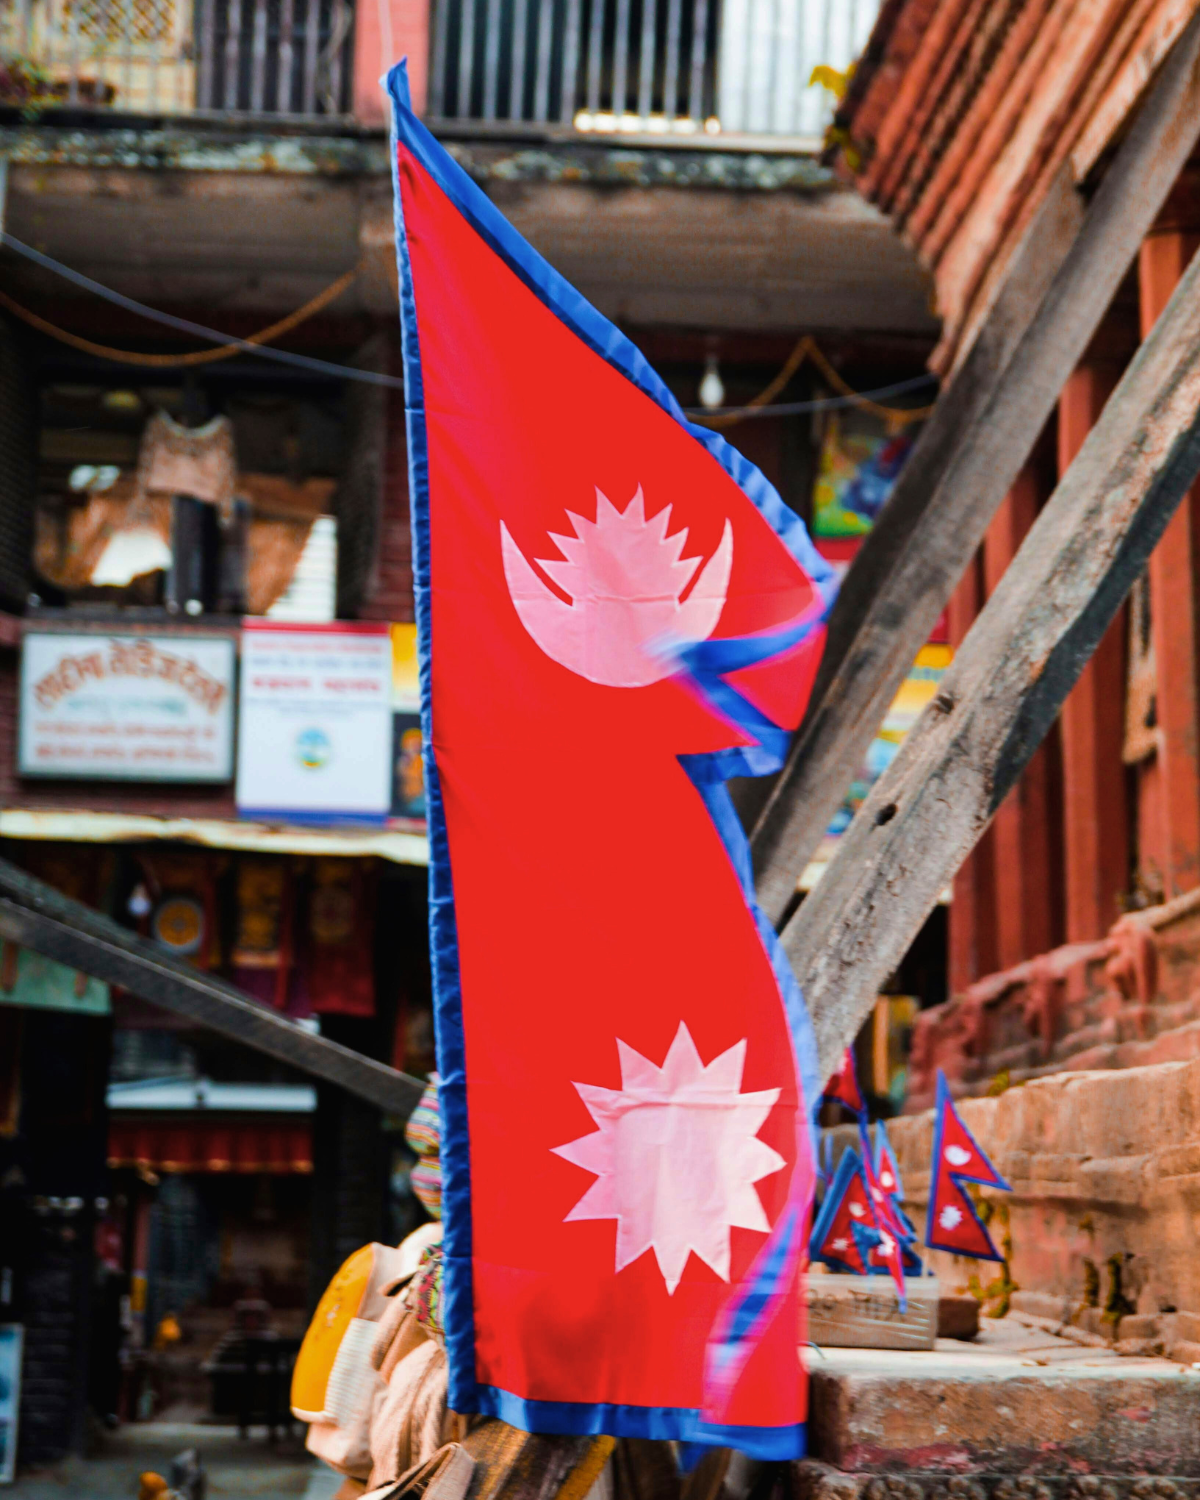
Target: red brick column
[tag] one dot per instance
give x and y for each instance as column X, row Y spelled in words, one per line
column 1096, row 814
column 1172, row 801
column 973, row 945
column 1024, row 841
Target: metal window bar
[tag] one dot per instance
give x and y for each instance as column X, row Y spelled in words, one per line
column 637, row 64
column 541, row 96
column 258, row 68
column 569, row 82
column 287, row 57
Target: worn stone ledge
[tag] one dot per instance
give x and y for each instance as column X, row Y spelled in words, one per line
column 184, row 148
column 820, row 1481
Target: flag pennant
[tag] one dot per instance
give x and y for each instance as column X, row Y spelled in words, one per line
column 888, row 1173
column 845, row 1231
column 843, row 1086
column 953, row 1223
column 888, row 1254
column 886, row 1169
column 615, row 613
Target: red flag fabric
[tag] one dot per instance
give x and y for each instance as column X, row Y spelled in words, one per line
column 615, row 613
column 953, row 1224
column 843, row 1086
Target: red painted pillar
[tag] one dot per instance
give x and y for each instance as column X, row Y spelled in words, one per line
column 1023, row 839
column 973, row 949
column 384, row 32
column 1171, row 804
column 1096, row 833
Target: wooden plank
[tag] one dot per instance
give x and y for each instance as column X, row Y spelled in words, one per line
column 863, row 1312
column 981, row 432
column 1008, row 682
column 50, row 923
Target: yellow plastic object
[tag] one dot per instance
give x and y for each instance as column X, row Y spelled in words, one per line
column 340, row 1302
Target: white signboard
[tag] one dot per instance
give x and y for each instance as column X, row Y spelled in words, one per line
column 315, row 722
column 127, row 707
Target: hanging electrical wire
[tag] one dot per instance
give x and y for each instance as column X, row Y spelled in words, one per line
column 259, row 344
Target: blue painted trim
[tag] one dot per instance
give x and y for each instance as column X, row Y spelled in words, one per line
column 658, row 1422
column 315, row 819
column 458, row 1291
column 944, row 1102
column 706, row 772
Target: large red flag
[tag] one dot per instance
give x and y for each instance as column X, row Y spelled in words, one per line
column 615, row 612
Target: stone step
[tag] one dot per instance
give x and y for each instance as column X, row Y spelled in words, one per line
column 1015, row 1402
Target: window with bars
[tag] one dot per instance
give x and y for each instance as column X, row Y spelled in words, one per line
column 669, row 67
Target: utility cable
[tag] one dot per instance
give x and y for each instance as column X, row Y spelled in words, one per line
column 197, row 330
column 198, row 356
column 760, row 406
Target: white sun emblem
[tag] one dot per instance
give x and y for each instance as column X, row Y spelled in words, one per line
column 676, row 1156
column 886, row 1245
column 950, row 1217
column 956, row 1156
column 625, row 578
column 840, row 1244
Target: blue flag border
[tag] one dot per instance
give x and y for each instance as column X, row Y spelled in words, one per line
column 466, row 1394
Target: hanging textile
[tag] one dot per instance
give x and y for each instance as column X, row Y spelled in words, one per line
column 262, row 948
column 616, row 612
column 196, row 461
column 336, row 971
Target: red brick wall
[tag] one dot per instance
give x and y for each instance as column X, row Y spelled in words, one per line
column 392, row 594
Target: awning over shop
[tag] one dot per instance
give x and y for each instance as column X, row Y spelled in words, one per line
column 193, row 1145
column 399, row 845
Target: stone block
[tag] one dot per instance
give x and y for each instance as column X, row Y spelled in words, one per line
column 1038, row 1407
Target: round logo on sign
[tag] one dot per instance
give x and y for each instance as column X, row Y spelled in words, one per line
column 313, row 749
column 178, row 924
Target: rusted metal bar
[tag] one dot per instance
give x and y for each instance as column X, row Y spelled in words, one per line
column 967, row 457
column 47, row 922
column 1008, row 681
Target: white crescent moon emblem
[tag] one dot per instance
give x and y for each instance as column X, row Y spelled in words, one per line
column 624, row 576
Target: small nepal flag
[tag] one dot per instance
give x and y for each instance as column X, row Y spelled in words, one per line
column 888, row 1254
column 615, row 613
column 953, row 1224
column 888, row 1173
column 846, row 1231
column 843, row 1086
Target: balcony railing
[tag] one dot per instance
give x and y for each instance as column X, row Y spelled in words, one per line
column 279, row 57
column 673, row 68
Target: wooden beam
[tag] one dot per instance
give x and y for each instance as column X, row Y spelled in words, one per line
column 981, row 432
column 47, row 922
column 1008, row 682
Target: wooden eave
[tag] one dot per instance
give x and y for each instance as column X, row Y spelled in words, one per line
column 963, row 112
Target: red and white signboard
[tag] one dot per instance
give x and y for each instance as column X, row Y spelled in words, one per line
column 127, row 707
column 315, row 721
